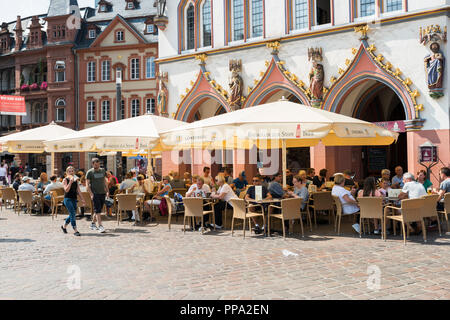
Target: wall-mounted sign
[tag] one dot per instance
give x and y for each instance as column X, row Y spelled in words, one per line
column 12, row 105
column 396, row 126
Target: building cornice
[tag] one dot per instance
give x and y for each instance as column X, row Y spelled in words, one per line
column 312, row 34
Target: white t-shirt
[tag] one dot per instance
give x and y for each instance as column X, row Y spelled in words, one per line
column 53, row 186
column 194, row 191
column 229, row 193
column 26, row 187
column 3, row 171
column 414, row 190
column 347, row 208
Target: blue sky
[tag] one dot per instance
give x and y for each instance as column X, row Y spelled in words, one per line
column 11, row 9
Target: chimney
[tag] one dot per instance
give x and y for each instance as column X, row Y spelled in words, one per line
column 19, row 33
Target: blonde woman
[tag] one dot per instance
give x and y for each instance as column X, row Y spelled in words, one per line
column 71, row 190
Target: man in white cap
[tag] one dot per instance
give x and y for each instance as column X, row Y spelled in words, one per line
column 26, row 186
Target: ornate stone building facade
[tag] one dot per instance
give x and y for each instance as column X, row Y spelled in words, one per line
column 379, row 61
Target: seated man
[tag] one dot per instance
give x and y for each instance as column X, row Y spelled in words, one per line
column 26, row 186
column 349, row 182
column 54, row 184
column 198, row 190
column 444, row 187
column 397, row 180
column 240, row 183
column 275, row 188
column 411, row 190
column 128, row 182
column 251, row 195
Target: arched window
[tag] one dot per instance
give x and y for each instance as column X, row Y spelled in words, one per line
column 37, row 112
column 206, row 19
column 44, row 113
column 60, row 110
column 257, row 18
column 190, row 30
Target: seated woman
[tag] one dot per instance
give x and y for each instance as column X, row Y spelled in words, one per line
column 385, row 186
column 422, row 179
column 300, row 190
column 349, row 204
column 163, row 189
column 224, row 194
column 370, row 190
column 319, row 181
column 128, row 182
column 43, row 182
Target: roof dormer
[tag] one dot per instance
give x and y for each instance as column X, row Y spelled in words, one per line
column 131, row 4
column 104, row 6
column 35, row 34
column 5, row 38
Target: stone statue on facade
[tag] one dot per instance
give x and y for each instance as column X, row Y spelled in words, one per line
column 236, row 84
column 435, row 61
column 162, row 95
column 317, row 75
column 160, row 7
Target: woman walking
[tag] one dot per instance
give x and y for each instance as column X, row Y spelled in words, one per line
column 71, row 190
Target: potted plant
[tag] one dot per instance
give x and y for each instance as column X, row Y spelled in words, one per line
column 25, row 87
column 34, row 86
column 44, row 85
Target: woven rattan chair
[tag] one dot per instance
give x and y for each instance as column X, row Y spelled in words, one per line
column 290, row 210
column 57, row 202
column 9, row 196
column 370, row 208
column 89, row 206
column 412, row 210
column 193, row 207
column 127, row 202
column 241, row 211
column 446, row 211
column 339, row 213
column 430, row 209
column 27, row 201
column 323, row 201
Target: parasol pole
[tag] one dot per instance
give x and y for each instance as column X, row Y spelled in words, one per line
column 283, row 155
column 52, row 165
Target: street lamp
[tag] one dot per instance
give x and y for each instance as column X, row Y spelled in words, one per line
column 118, row 117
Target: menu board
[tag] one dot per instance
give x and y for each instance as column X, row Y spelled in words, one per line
column 377, row 159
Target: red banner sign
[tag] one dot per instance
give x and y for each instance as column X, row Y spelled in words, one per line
column 13, row 105
column 396, row 126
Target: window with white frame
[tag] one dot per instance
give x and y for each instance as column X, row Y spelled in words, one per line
column 238, row 20
column 393, row 5
column 190, row 27
column 150, row 28
column 150, row 68
column 150, row 106
column 322, row 12
column 130, row 5
column 135, row 107
column 366, row 8
column 134, row 69
column 119, row 36
column 301, row 16
column 106, row 110
column 257, row 21
column 60, row 71
column 106, row 70
column 91, row 71
column 60, row 110
column 206, row 23
column 92, row 34
column 91, row 111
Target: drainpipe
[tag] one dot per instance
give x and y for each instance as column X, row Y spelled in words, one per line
column 77, row 92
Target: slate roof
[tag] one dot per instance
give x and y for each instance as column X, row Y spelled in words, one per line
column 145, row 8
column 60, row 7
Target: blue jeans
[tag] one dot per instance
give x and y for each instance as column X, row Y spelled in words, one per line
column 71, row 206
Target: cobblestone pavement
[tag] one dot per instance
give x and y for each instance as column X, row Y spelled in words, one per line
column 38, row 261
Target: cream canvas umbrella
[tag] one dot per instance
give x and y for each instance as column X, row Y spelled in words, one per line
column 131, row 135
column 32, row 140
column 280, row 124
column 128, row 135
